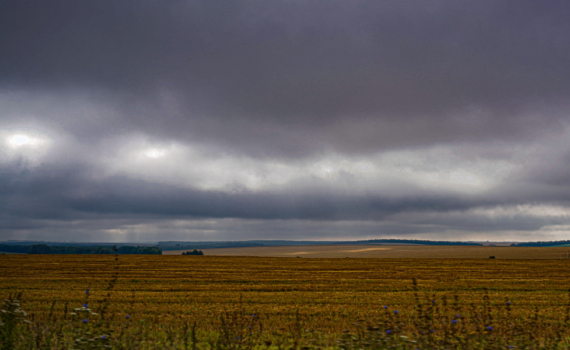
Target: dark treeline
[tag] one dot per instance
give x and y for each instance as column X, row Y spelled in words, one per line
column 408, row 241
column 10, row 248
column 46, row 249
column 541, row 244
column 76, row 244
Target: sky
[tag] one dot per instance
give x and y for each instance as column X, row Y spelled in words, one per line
column 139, row 120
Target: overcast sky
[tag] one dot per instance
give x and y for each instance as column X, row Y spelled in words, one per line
column 139, row 120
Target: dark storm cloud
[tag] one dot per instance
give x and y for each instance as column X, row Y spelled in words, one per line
column 237, row 87
column 68, row 193
column 255, row 75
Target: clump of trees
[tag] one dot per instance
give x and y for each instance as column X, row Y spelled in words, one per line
column 194, row 252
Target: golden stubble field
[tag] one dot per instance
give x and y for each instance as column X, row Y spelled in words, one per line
column 329, row 292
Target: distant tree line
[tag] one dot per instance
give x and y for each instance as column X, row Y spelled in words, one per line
column 46, row 249
column 541, row 244
column 194, row 252
column 13, row 248
column 408, row 241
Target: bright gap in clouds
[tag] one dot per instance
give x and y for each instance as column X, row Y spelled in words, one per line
column 33, row 147
column 20, row 140
column 154, row 153
column 390, row 173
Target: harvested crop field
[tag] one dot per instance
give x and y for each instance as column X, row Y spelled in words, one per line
column 180, row 287
column 157, row 297
column 393, row 252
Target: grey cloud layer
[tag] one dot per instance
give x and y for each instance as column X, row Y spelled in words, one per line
column 289, row 82
column 446, row 72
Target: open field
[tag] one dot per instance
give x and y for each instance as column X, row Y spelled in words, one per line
column 330, row 294
column 392, row 252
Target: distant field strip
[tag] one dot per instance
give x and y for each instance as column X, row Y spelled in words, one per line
column 365, row 250
column 393, row 252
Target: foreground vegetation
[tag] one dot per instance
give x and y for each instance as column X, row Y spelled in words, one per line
column 156, row 302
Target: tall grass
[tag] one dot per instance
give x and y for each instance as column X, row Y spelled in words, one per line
column 435, row 323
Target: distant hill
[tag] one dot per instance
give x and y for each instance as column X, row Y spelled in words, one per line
column 106, row 248
column 181, row 245
column 409, row 241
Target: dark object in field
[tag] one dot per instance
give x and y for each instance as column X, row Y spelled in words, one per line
column 194, row 252
column 492, row 257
